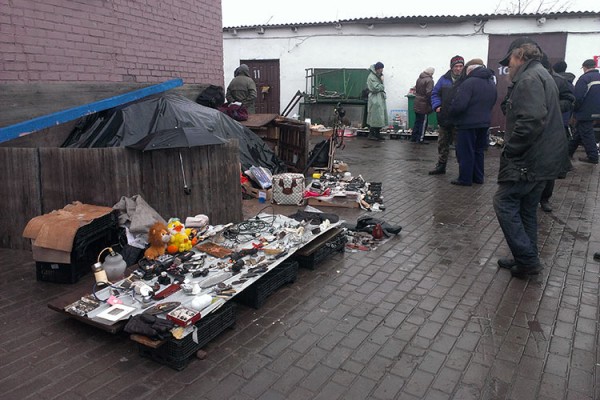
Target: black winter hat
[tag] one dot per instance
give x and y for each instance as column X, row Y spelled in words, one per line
column 560, row 67
column 515, row 45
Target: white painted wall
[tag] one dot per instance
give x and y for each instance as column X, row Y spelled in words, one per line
column 405, row 49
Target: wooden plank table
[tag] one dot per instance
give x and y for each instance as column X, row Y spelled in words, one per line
column 84, row 287
column 77, row 291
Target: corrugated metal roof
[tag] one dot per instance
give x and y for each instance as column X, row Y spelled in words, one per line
column 420, row 18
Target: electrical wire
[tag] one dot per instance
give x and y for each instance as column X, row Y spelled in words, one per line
column 250, row 228
column 106, row 284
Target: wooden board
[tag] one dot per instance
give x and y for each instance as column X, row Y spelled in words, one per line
column 343, row 202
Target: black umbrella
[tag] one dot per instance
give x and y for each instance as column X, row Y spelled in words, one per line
column 177, row 138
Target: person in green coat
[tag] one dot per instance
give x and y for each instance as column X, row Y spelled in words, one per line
column 377, row 116
column 242, row 89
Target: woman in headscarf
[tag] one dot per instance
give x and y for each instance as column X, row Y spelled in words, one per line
column 377, row 116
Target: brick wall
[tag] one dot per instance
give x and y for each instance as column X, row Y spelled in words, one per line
column 143, row 41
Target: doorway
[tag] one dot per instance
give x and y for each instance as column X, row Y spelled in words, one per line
column 553, row 44
column 266, row 75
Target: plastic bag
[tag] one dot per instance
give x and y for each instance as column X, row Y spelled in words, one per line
column 261, row 175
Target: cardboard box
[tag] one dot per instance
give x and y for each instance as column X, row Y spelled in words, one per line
column 321, row 132
column 52, row 235
column 254, row 192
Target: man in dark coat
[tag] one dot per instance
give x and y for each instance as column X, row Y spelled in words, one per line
column 560, row 68
column 422, row 104
column 440, row 101
column 471, row 111
column 566, row 98
column 535, row 147
column 587, row 104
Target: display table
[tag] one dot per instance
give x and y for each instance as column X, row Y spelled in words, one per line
column 288, row 237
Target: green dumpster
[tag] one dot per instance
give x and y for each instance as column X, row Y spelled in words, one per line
column 431, row 119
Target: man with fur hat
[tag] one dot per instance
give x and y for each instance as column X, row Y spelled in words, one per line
column 422, row 104
column 471, row 111
column 535, row 147
column 242, row 89
column 376, row 108
column 440, row 100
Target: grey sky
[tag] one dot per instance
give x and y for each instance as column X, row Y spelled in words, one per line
column 245, row 12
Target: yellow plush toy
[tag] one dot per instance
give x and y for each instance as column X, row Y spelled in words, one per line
column 180, row 241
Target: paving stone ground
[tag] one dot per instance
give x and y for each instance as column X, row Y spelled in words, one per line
column 428, row 315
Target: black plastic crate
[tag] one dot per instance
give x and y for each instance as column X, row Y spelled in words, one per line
column 86, row 247
column 256, row 294
column 105, row 223
column 334, row 242
column 178, row 353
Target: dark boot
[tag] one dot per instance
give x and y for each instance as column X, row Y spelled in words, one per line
column 374, row 134
column 545, row 205
column 440, row 169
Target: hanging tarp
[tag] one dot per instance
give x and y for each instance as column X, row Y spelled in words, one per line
column 128, row 124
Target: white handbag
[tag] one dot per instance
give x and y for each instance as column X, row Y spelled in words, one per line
column 288, row 189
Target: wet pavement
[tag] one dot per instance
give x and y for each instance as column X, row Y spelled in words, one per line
column 428, row 315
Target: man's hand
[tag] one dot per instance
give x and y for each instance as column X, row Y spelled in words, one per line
column 437, row 110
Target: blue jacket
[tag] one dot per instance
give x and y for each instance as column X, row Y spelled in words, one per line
column 441, row 96
column 474, row 99
column 436, row 95
column 587, row 102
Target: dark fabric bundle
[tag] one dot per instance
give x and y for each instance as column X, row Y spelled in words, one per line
column 367, row 223
column 149, row 325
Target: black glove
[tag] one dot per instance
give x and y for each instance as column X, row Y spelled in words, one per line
column 149, row 325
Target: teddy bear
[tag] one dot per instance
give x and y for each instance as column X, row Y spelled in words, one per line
column 158, row 237
column 180, row 240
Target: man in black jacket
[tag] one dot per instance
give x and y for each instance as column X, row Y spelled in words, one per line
column 566, row 99
column 587, row 104
column 534, row 151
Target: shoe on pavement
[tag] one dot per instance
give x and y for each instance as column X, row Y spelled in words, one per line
column 439, row 169
column 506, row 262
column 459, row 183
column 545, row 205
column 523, row 271
column 597, row 256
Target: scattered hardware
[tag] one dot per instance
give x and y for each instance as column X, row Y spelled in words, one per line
column 83, row 306
column 166, row 292
column 162, row 308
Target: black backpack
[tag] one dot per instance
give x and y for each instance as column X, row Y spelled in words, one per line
column 213, row 97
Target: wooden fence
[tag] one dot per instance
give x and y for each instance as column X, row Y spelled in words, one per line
column 39, row 180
